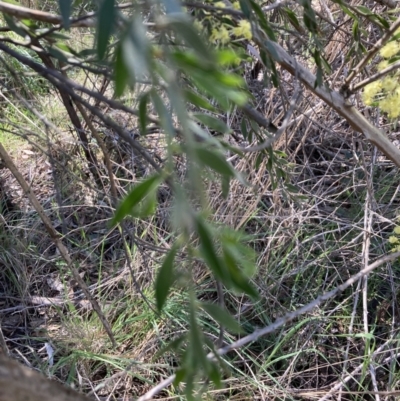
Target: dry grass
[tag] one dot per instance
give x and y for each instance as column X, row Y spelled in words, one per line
column 329, row 217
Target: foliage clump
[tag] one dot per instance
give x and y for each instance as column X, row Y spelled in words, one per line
column 394, row 239
column 385, row 92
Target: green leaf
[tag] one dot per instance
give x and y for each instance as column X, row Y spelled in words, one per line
column 263, row 21
column 143, row 112
column 239, row 280
column 196, row 344
column 355, row 30
column 121, row 73
column 215, row 375
column 180, row 375
column 347, row 11
column 292, row 188
column 293, row 19
column 183, row 26
column 216, row 161
column 212, row 122
column 147, row 206
column 65, row 10
column 57, row 36
column 209, row 254
column 222, row 317
column 164, row 114
column 134, row 197
column 309, row 16
column 367, row 336
column 13, row 26
column 227, row 57
column 87, row 52
column 198, row 100
column 245, row 7
column 105, row 22
column 225, row 186
column 325, row 64
column 136, row 49
column 364, row 10
column 165, row 278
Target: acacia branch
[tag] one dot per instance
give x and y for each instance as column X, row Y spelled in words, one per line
column 332, row 98
column 375, row 48
column 392, row 67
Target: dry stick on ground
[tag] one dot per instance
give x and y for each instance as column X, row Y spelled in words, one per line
column 368, row 218
column 281, row 321
column 56, row 238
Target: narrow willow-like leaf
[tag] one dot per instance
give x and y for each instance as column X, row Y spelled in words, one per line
column 183, row 26
column 143, row 112
column 65, row 11
column 121, row 73
column 212, row 122
column 13, row 26
column 198, row 100
column 215, row 161
column 222, row 317
column 225, row 186
column 105, row 22
column 239, row 280
column 134, row 197
column 209, row 253
column 245, row 7
column 292, row 18
column 263, row 21
column 165, row 278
